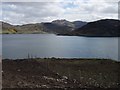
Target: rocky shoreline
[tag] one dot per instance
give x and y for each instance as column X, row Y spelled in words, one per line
column 60, row 73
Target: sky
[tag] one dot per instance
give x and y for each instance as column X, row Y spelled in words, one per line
column 35, row 12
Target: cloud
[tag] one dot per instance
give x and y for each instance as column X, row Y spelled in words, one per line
column 0, row 10
column 91, row 10
column 35, row 12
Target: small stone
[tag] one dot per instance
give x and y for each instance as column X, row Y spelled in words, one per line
column 65, row 77
column 18, row 70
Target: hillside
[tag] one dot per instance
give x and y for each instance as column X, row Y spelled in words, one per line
column 105, row 27
column 56, row 27
column 63, row 23
column 30, row 28
column 73, row 25
column 79, row 24
column 100, row 28
column 7, row 28
column 21, row 29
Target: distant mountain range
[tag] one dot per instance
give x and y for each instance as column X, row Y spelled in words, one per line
column 56, row 27
column 105, row 28
column 102, row 28
column 74, row 25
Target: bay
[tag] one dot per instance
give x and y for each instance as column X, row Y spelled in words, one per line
column 18, row 46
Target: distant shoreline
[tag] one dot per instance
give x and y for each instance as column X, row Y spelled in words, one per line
column 60, row 35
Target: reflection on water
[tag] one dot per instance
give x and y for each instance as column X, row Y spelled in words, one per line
column 49, row 45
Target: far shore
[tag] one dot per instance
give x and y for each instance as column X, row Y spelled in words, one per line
column 60, row 73
column 61, row 35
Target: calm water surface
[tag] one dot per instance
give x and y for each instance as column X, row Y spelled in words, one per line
column 49, row 45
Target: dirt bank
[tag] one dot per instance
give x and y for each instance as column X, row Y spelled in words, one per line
column 60, row 73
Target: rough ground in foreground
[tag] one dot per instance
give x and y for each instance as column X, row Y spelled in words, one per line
column 60, row 73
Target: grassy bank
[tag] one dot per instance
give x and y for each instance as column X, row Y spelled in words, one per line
column 60, row 73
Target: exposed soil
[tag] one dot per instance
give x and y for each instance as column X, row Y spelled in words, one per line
column 60, row 73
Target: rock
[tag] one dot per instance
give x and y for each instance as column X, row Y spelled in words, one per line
column 64, row 77
column 18, row 70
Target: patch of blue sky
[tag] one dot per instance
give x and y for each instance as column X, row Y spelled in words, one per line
column 70, row 5
column 8, row 6
column 5, row 7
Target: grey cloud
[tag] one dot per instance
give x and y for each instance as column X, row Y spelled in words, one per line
column 28, row 12
column 110, row 10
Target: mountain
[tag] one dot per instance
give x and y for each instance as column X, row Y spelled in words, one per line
column 79, row 24
column 19, row 29
column 63, row 23
column 0, row 27
column 38, row 28
column 73, row 25
column 30, row 28
column 7, row 28
column 56, row 27
column 6, row 25
column 102, row 28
